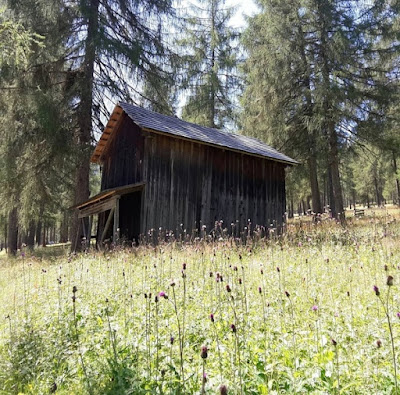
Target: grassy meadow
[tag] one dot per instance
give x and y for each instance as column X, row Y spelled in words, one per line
column 313, row 311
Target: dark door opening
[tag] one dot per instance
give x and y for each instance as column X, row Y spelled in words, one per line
column 129, row 217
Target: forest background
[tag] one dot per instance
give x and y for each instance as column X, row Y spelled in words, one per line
column 316, row 79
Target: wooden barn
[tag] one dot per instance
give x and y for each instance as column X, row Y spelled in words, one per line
column 162, row 176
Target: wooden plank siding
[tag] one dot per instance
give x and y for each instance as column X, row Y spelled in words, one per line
column 123, row 160
column 189, row 185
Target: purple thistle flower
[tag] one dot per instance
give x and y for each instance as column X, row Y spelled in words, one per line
column 204, row 352
column 287, row 294
column 240, row 281
column 184, row 266
column 223, row 390
column 379, row 343
column 277, row 269
column 212, row 317
column 389, row 281
column 315, row 308
column 233, row 327
column 228, row 288
column 162, row 294
column 171, row 340
column 259, row 290
column 398, row 314
column 376, row 290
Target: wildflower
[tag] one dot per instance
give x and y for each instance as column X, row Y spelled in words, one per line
column 204, row 351
column 171, row 340
column 398, row 314
column 172, row 284
column 233, row 327
column 259, row 290
column 334, row 342
column 235, row 268
column 212, row 317
column 389, row 281
column 315, row 308
column 211, row 274
column 376, row 290
column 378, row 344
column 287, row 294
column 385, row 268
column 228, row 288
column 277, row 269
column 261, row 271
column 184, row 266
column 240, row 281
column 156, row 299
column 162, row 294
column 223, row 390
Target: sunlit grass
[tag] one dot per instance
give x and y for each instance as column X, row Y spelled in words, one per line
column 295, row 314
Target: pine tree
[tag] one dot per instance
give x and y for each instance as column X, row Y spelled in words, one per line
column 307, row 74
column 122, row 50
column 34, row 128
column 209, row 64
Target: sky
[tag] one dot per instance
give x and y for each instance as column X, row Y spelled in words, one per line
column 244, row 8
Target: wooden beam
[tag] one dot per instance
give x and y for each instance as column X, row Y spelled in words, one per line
column 103, row 235
column 89, row 236
column 97, row 208
column 116, row 222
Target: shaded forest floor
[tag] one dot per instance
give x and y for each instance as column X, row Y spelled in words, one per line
column 295, row 314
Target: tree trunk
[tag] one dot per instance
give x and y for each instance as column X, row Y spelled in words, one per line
column 335, row 175
column 64, row 228
column 84, row 132
column 12, row 231
column 396, row 177
column 30, row 238
column 44, row 236
column 315, row 195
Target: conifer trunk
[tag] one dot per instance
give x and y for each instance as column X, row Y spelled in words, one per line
column 12, row 231
column 30, row 238
column 337, row 195
column 396, row 177
column 315, row 195
column 84, row 132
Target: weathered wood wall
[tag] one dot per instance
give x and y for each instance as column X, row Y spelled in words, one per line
column 123, row 160
column 192, row 185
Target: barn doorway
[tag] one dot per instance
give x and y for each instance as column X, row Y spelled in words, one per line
column 129, row 217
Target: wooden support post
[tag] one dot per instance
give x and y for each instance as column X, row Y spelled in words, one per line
column 89, row 236
column 107, row 225
column 116, row 222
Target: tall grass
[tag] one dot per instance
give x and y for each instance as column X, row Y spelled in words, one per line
column 293, row 314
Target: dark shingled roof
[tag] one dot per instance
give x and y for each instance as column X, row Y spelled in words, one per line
column 174, row 126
